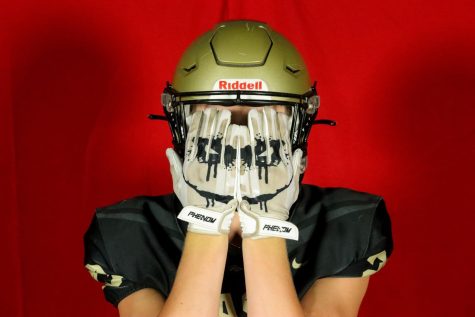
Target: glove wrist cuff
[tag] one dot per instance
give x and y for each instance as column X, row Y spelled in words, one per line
column 255, row 226
column 206, row 221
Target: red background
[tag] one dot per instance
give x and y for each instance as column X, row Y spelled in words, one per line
column 399, row 77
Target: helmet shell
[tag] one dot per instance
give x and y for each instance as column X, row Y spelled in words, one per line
column 241, row 63
column 241, row 51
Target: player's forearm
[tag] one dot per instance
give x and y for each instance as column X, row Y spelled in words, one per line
column 199, row 277
column 269, row 286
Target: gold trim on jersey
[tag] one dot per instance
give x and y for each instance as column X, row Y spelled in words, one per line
column 244, row 303
column 380, row 256
column 95, row 269
column 226, row 308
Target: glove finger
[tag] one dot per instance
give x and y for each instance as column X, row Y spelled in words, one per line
column 188, row 113
column 245, row 148
column 232, row 205
column 247, row 218
column 219, row 139
column 191, row 144
column 223, row 121
column 296, row 163
column 244, row 206
column 269, row 131
column 258, row 144
column 208, row 130
column 208, row 126
column 283, row 122
column 213, row 143
column 250, row 181
column 253, row 125
column 285, row 144
column 270, row 117
column 230, row 154
column 231, row 146
column 245, row 160
column 176, row 168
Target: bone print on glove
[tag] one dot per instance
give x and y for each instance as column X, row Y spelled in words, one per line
column 269, row 176
column 205, row 181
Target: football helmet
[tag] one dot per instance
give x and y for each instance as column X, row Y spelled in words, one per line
column 242, row 63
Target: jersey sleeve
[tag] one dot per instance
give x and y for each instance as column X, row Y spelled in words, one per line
column 135, row 244
column 114, row 285
column 343, row 233
column 379, row 248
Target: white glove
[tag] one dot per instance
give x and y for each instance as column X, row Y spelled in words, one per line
column 269, row 176
column 205, row 181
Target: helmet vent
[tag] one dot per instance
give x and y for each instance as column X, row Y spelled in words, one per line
column 241, row 45
column 189, row 68
column 291, row 69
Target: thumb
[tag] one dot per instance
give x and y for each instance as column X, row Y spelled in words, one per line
column 296, row 162
column 175, row 164
column 244, row 206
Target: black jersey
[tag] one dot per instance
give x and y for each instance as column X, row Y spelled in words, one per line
column 137, row 244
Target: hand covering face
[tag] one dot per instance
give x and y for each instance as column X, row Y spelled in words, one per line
column 227, row 164
column 269, row 176
column 205, row 181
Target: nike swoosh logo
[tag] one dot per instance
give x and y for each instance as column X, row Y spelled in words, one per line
column 296, row 265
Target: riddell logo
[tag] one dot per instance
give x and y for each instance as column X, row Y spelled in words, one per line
column 240, row 84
